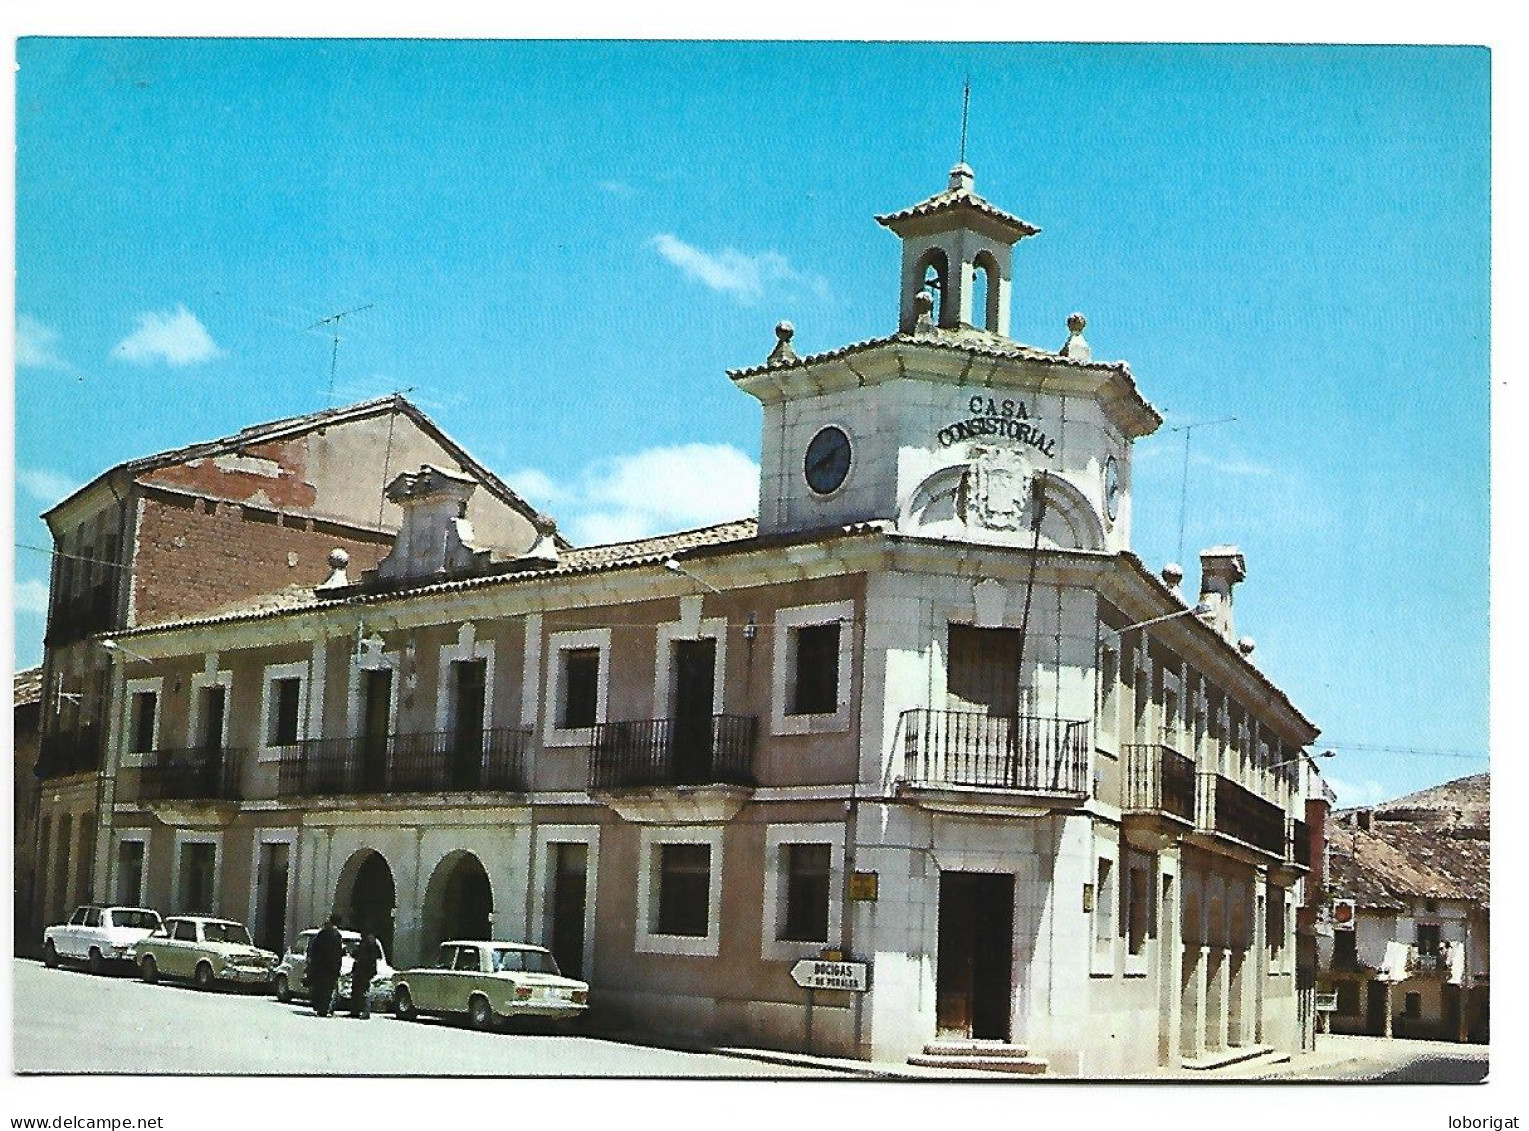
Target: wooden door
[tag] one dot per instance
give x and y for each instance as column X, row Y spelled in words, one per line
column 569, row 892
column 469, row 679
column 374, row 734
column 694, row 689
column 975, row 956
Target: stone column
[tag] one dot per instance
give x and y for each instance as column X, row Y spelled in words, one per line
column 1215, row 998
column 1192, row 1031
column 1388, row 1009
column 1236, row 1014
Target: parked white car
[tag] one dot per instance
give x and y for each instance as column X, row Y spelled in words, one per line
column 294, row 964
column 99, row 935
column 206, row 950
column 489, row 982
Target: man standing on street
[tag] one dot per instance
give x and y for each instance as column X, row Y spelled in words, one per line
column 324, row 954
column 363, row 969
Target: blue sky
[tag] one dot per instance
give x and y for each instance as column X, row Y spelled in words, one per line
column 566, row 244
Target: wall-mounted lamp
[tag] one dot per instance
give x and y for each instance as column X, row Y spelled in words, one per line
column 674, row 567
column 1200, row 610
column 1302, row 758
column 123, row 650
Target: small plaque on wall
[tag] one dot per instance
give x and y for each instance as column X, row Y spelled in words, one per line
column 862, row 886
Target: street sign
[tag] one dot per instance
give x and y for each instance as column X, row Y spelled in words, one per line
column 1343, row 914
column 1327, row 1003
column 814, row 974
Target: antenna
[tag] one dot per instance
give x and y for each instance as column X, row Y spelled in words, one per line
column 1184, row 478
column 334, row 356
column 966, row 105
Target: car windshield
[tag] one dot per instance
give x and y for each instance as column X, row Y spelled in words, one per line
column 225, row 933
column 132, row 917
column 525, row 961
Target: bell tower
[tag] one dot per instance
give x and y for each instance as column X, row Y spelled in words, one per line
column 957, row 247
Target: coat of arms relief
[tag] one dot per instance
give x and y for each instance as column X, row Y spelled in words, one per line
column 997, row 488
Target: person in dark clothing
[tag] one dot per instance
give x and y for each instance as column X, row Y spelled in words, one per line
column 324, row 954
column 363, row 969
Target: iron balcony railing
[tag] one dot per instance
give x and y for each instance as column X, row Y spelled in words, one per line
column 1300, row 843
column 1160, row 780
column 198, row 774
column 718, row 750
column 406, row 763
column 69, row 752
column 1021, row 752
column 1227, row 808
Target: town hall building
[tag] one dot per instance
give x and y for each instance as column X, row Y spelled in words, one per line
column 927, row 722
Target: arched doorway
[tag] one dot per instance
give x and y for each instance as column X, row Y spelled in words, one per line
column 373, row 897
column 459, row 903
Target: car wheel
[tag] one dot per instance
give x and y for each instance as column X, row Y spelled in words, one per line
column 480, row 1015
column 150, row 969
column 283, row 990
column 403, row 1005
column 50, row 955
column 97, row 964
column 203, row 977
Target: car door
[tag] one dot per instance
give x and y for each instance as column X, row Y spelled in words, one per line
column 466, row 974
column 425, row 983
column 181, row 949
column 67, row 940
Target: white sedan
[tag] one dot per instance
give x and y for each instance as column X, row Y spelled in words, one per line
column 289, row 981
column 489, row 982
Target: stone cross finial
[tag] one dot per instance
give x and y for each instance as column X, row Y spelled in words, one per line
column 782, row 353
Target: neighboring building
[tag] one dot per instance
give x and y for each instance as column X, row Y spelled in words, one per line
column 911, row 716
column 26, row 713
column 250, row 517
column 1417, row 960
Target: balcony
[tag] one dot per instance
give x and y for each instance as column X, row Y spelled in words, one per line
column 1300, row 844
column 1227, row 809
column 69, row 752
column 434, row 762
column 971, row 751
column 658, row 771
column 190, row 775
column 1160, row 781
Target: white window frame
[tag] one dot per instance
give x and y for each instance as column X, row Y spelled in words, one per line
column 777, row 837
column 466, row 649
column 547, row 838
column 572, row 641
column 272, row 836
column 223, row 678
column 712, row 628
column 649, row 941
column 297, row 670
column 130, row 690
column 783, row 644
column 135, row 836
column 184, row 837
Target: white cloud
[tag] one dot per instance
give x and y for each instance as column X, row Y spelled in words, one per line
column 648, row 492
column 31, row 597
column 1350, row 794
column 617, row 188
column 37, row 345
column 743, row 275
column 43, row 485
column 174, row 337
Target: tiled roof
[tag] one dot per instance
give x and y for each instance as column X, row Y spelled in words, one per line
column 980, row 342
column 959, row 198
column 1434, row 843
column 26, row 687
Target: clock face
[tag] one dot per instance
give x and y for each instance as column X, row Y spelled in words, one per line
column 1111, row 488
column 827, row 462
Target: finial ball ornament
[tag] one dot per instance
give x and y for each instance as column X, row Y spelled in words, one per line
column 784, row 331
column 923, row 302
column 338, row 558
column 1076, row 322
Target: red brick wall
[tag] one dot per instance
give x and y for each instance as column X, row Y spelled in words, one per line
column 190, row 562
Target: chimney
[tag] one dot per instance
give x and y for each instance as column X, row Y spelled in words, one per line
column 1221, row 568
column 434, row 537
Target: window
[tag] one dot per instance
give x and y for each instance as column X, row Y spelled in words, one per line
column 286, row 702
column 184, row 930
column 1345, row 950
column 447, row 958
column 1428, row 944
column 811, row 668
column 130, row 854
column 1170, row 717
column 467, row 958
column 145, row 708
column 197, row 879
column 1412, row 1007
column 579, row 706
column 684, row 890
column 807, row 869
column 815, row 678
column 1109, row 689
column 93, row 917
column 1136, row 907
column 78, row 918
column 1274, row 923
column 1104, row 904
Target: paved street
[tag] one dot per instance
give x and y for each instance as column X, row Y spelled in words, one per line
column 1373, row 1060
column 69, row 1021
